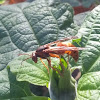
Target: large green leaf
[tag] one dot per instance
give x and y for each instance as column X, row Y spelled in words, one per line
column 25, row 26
column 90, row 31
column 28, row 70
column 34, row 73
column 10, row 88
column 89, row 87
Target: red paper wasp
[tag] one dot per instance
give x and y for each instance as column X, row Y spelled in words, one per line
column 55, row 49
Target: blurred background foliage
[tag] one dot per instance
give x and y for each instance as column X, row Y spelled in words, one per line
column 79, row 6
column 74, row 3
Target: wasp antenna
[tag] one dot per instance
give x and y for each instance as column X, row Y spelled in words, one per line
column 23, row 54
column 25, row 60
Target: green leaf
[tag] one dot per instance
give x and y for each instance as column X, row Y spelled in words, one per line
column 30, row 71
column 25, row 26
column 90, row 30
column 35, row 98
column 89, row 86
column 10, row 88
column 76, row 41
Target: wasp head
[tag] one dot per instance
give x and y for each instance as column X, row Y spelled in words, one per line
column 34, row 58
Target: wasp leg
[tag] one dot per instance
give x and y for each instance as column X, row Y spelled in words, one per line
column 54, row 55
column 68, row 60
column 55, row 69
column 57, row 56
column 44, row 64
column 61, row 64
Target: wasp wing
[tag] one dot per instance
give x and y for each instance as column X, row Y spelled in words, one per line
column 61, row 40
column 63, row 49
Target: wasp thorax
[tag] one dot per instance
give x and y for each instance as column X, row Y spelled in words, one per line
column 41, row 48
